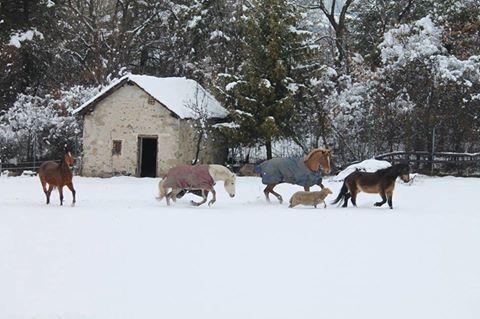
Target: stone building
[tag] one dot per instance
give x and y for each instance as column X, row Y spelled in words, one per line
column 142, row 125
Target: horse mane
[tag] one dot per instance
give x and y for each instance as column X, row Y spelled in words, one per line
column 222, row 171
column 387, row 170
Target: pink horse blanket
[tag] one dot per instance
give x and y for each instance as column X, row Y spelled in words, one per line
column 189, row 177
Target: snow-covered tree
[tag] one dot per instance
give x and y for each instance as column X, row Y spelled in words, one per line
column 36, row 127
column 262, row 94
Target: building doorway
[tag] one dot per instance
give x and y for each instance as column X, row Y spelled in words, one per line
column 147, row 156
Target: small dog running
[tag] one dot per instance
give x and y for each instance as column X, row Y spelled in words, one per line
column 310, row 198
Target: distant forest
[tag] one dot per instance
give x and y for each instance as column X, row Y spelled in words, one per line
column 362, row 76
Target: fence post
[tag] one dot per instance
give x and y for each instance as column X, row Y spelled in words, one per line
column 433, row 150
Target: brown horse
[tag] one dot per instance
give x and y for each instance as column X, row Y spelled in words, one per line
column 303, row 171
column 381, row 182
column 57, row 175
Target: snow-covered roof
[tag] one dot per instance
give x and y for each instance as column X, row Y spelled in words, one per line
column 178, row 94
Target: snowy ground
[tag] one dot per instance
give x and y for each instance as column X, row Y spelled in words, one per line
column 121, row 254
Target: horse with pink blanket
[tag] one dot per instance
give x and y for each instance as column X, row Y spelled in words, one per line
column 196, row 177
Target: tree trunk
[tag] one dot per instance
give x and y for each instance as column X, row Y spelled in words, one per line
column 268, row 146
column 197, row 151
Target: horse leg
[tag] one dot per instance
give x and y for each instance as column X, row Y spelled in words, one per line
column 353, row 195
column 346, row 198
column 204, row 195
column 48, row 192
column 266, row 191
column 44, row 187
column 167, row 197
column 181, row 193
column 384, row 199
column 269, row 189
column 320, row 184
column 214, row 199
column 70, row 187
column 174, row 193
column 390, row 202
column 60, row 191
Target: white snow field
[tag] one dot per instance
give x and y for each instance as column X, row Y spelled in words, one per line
column 122, row 254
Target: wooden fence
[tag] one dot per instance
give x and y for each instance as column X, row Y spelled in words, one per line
column 16, row 169
column 441, row 163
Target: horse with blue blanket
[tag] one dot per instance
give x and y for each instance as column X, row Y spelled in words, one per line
column 303, row 171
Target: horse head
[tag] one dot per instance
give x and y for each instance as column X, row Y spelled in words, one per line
column 404, row 172
column 68, row 158
column 318, row 158
column 229, row 185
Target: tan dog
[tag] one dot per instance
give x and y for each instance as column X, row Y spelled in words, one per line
column 310, row 198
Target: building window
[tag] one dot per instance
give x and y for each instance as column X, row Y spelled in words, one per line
column 151, row 100
column 117, row 147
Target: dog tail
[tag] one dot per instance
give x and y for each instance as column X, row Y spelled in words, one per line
column 341, row 195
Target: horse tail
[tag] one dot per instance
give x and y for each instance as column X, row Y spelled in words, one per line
column 161, row 189
column 341, row 195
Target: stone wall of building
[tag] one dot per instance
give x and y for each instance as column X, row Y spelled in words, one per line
column 127, row 114
column 212, row 150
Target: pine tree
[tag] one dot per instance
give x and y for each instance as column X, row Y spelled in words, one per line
column 262, row 95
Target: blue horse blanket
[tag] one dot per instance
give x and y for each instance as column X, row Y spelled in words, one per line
column 288, row 170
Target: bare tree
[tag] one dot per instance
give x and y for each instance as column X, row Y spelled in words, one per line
column 201, row 119
column 336, row 13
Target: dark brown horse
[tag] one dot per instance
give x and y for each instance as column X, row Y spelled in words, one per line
column 381, row 182
column 57, row 175
column 303, row 171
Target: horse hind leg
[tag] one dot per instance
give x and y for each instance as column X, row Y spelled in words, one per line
column 353, row 195
column 346, row 198
column 269, row 189
column 353, row 191
column 45, row 191
column 172, row 195
column 48, row 193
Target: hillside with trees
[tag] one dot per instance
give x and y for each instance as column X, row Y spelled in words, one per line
column 363, row 76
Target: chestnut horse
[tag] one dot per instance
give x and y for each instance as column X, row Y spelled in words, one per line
column 381, row 182
column 57, row 175
column 303, row 171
